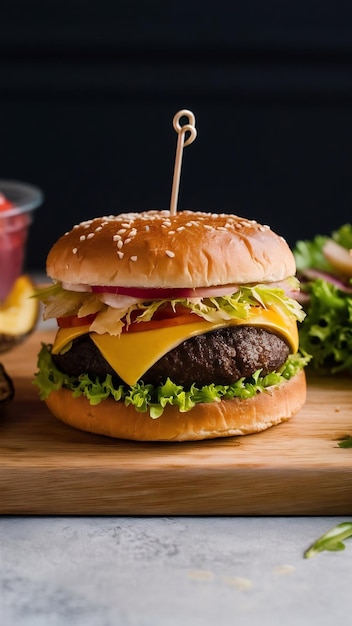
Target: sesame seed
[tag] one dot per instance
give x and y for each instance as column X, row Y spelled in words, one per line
column 99, row 228
column 119, row 244
column 125, row 226
column 133, row 258
column 180, row 228
column 120, row 254
column 121, row 231
column 146, row 228
column 128, row 239
column 116, row 238
column 133, row 232
column 170, row 254
column 74, row 250
column 171, row 232
column 90, row 235
column 82, row 237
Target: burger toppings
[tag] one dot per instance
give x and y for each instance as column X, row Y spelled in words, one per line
column 115, row 312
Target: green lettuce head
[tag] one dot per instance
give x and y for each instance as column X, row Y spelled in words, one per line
column 326, row 331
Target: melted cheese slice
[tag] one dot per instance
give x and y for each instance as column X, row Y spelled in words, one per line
column 132, row 354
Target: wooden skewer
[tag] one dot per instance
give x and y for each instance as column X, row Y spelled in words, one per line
column 181, row 143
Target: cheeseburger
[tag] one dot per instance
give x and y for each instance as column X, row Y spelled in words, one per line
column 172, row 327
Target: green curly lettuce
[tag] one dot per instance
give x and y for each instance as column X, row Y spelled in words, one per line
column 146, row 397
column 343, row 236
column 326, row 331
column 309, row 254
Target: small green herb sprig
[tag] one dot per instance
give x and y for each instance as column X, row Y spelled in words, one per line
column 346, row 442
column 332, row 540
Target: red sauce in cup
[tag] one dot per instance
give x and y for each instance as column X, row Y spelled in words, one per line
column 13, row 237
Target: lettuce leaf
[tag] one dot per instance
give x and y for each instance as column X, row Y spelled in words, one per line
column 146, row 397
column 326, row 331
column 343, row 236
column 309, row 254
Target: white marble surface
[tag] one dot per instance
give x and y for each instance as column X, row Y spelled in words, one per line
column 136, row 571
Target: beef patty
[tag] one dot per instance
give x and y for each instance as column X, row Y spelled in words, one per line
column 221, row 357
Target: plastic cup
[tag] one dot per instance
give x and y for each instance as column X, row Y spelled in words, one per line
column 17, row 203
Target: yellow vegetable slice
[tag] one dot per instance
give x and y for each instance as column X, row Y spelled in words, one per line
column 19, row 313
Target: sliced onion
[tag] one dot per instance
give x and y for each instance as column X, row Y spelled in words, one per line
column 118, row 301
column 313, row 274
column 167, row 294
column 76, row 287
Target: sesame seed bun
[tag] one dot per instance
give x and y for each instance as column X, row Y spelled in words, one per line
column 155, row 250
column 205, row 421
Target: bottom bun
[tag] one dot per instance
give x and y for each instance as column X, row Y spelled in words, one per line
column 205, row 421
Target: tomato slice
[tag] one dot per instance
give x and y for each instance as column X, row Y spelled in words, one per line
column 166, row 311
column 69, row 321
column 167, row 322
column 163, row 317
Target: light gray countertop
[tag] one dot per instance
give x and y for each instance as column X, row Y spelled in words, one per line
column 146, row 571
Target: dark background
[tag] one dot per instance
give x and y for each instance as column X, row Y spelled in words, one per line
column 88, row 91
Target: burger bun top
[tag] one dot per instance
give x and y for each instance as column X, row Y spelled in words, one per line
column 154, row 249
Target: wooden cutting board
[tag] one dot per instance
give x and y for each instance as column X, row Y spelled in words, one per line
column 296, row 468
